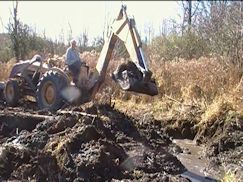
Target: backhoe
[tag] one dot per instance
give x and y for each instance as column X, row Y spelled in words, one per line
column 52, row 86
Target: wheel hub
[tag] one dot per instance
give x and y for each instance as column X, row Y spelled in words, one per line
column 10, row 92
column 49, row 93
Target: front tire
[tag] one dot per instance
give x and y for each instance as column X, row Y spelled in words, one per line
column 48, row 94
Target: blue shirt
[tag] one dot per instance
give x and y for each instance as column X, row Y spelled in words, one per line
column 72, row 56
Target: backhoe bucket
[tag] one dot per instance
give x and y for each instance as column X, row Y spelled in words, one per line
column 148, row 88
column 130, row 82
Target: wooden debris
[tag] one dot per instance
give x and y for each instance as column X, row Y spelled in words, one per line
column 76, row 113
column 25, row 115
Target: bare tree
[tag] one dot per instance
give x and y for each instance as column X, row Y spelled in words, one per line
column 83, row 41
column 189, row 13
column 20, row 34
column 220, row 23
column 190, row 10
column 13, row 30
column 164, row 28
column 98, row 43
column 70, row 34
column 2, row 23
column 61, row 36
column 149, row 31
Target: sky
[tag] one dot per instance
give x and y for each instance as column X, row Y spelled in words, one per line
column 56, row 17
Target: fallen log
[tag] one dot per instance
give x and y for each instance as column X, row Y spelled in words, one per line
column 35, row 116
column 76, row 113
column 25, row 115
column 43, row 117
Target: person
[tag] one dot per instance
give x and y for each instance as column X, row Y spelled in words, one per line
column 73, row 60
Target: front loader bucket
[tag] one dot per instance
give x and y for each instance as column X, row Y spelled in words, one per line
column 129, row 82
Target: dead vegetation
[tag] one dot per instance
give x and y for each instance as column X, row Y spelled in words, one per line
column 5, row 69
column 198, row 99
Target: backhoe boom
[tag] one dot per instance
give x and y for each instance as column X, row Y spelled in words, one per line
column 130, row 78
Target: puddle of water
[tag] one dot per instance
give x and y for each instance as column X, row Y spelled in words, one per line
column 196, row 178
column 191, row 157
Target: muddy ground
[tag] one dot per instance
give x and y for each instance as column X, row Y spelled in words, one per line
column 105, row 145
column 220, row 140
column 99, row 142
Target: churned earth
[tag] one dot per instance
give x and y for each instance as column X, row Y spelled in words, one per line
column 99, row 142
column 96, row 144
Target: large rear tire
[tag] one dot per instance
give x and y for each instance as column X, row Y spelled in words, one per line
column 2, row 86
column 12, row 92
column 48, row 94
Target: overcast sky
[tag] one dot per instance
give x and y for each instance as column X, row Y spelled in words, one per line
column 55, row 17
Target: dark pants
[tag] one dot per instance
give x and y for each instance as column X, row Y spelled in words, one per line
column 75, row 70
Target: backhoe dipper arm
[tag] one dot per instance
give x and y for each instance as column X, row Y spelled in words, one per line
column 123, row 28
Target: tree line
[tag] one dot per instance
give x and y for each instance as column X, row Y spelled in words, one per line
column 208, row 28
column 22, row 41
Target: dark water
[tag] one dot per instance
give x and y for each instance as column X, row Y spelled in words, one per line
column 194, row 161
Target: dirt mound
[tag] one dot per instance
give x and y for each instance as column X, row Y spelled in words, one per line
column 224, row 134
column 223, row 139
column 220, row 136
column 105, row 145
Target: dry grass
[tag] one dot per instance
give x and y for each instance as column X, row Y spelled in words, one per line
column 5, row 69
column 220, row 106
column 208, row 76
column 208, row 83
column 230, row 176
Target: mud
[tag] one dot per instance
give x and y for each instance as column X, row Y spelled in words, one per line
column 191, row 157
column 224, row 144
column 220, row 140
column 107, row 146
